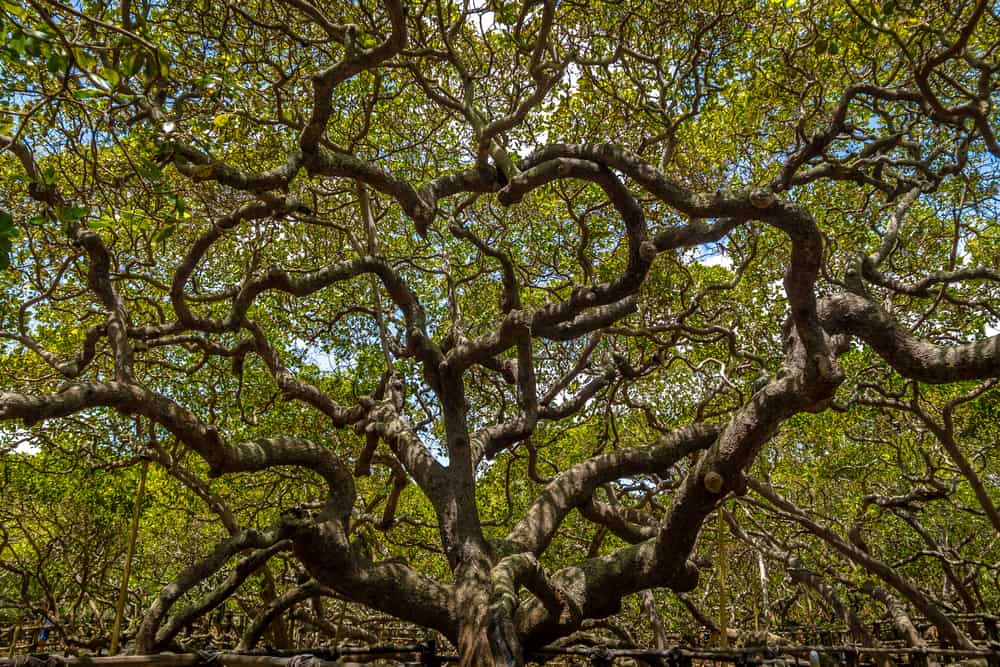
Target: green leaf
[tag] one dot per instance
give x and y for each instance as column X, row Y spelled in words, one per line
column 32, row 46
column 49, row 174
column 112, row 77
column 132, row 62
column 7, row 233
column 6, row 223
column 165, row 233
column 87, row 93
column 103, row 222
column 16, row 9
column 57, row 62
column 163, row 60
column 84, row 59
column 72, row 213
column 16, row 43
column 149, row 170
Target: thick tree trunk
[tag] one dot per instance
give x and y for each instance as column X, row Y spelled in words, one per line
column 484, row 642
column 486, row 632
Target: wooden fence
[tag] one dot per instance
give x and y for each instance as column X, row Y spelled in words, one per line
column 426, row 654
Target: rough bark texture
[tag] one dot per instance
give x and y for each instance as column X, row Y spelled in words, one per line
column 557, row 344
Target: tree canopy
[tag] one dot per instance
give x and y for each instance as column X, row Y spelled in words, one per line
column 473, row 313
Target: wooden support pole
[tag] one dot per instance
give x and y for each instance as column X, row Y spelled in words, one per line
column 723, row 592
column 764, row 597
column 133, row 535
column 14, row 636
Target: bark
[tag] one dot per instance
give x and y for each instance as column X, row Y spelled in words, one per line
column 481, row 609
column 574, row 487
column 389, row 586
column 336, row 632
column 191, row 577
column 941, row 551
column 897, row 612
column 660, row 640
column 945, row 433
column 930, row 609
column 275, row 608
column 733, row 634
column 768, row 546
column 911, row 357
column 206, row 603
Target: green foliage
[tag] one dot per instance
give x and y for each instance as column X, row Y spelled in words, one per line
column 145, row 129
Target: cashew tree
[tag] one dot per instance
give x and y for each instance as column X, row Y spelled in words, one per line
column 544, row 269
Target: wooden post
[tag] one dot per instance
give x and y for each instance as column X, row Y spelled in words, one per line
column 340, row 623
column 14, row 636
column 133, row 535
column 723, row 593
column 765, row 599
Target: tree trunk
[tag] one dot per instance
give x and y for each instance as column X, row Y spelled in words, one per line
column 486, row 639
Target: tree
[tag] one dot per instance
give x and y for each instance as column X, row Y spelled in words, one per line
column 496, row 262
